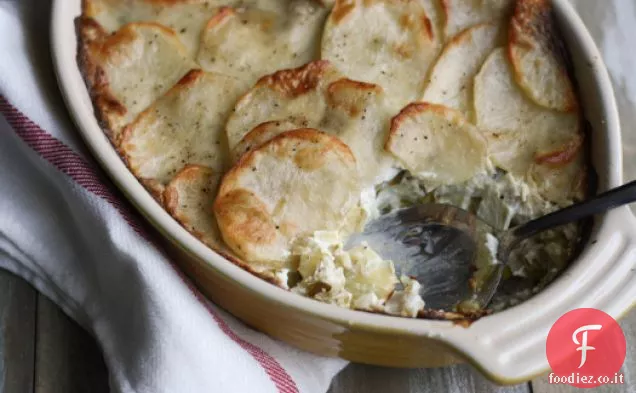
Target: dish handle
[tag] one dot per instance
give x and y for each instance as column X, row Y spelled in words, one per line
column 510, row 347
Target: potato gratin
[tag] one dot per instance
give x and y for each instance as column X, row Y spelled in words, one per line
column 273, row 129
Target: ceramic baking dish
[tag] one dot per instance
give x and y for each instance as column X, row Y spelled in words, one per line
column 508, row 347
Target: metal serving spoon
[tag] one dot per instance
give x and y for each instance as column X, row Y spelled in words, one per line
column 438, row 245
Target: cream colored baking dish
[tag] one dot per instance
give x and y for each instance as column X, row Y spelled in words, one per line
column 507, row 347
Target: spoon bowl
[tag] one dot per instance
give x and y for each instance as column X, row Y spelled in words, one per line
column 436, row 244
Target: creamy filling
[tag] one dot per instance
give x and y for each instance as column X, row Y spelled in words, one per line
column 360, row 279
column 406, row 302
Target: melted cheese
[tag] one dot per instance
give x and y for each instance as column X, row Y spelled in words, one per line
column 358, row 278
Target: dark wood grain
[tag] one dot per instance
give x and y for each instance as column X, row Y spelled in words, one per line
column 461, row 378
column 67, row 358
column 17, row 334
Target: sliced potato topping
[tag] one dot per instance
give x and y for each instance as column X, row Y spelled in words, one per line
column 386, row 42
column 130, row 69
column 436, row 144
column 316, row 95
column 462, row 14
column 185, row 126
column 249, row 42
column 189, row 198
column 186, row 18
column 295, row 95
column 451, row 79
column 539, row 56
column 275, row 194
column 559, row 176
column 261, row 134
column 521, row 134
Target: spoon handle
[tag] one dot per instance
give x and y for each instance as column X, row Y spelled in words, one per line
column 608, row 200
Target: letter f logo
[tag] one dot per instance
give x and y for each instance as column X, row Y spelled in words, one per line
column 583, row 344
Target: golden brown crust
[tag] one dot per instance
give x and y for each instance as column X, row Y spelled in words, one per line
column 446, row 10
column 533, row 24
column 171, row 204
column 91, row 8
column 465, row 35
column 154, row 188
column 188, row 79
column 296, row 81
column 91, row 37
column 245, row 220
column 407, row 113
column 94, row 46
column 341, row 9
column 171, row 201
column 221, row 16
column 127, row 33
column 336, row 99
column 261, row 134
column 247, row 224
column 327, row 142
column 261, row 129
column 124, row 146
column 427, row 27
column 409, row 21
column 562, row 155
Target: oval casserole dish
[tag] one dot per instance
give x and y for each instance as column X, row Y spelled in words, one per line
column 508, row 347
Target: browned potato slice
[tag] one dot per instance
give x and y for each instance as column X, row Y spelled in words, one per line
column 522, row 134
column 386, row 42
column 251, row 41
column 127, row 71
column 185, row 17
column 317, row 96
column 295, row 95
column 462, row 14
column 277, row 192
column 437, row 144
column 185, row 126
column 261, row 134
column 189, row 198
column 539, row 56
column 451, row 80
column 435, row 13
column 560, row 175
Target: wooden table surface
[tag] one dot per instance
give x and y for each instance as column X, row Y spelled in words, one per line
column 43, row 351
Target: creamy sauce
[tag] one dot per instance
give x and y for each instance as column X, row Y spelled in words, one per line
column 361, row 279
column 358, row 278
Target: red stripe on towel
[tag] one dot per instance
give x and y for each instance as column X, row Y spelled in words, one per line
column 67, row 161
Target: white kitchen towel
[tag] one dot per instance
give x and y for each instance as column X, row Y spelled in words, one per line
column 64, row 229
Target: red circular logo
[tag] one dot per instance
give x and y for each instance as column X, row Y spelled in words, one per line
column 585, row 348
